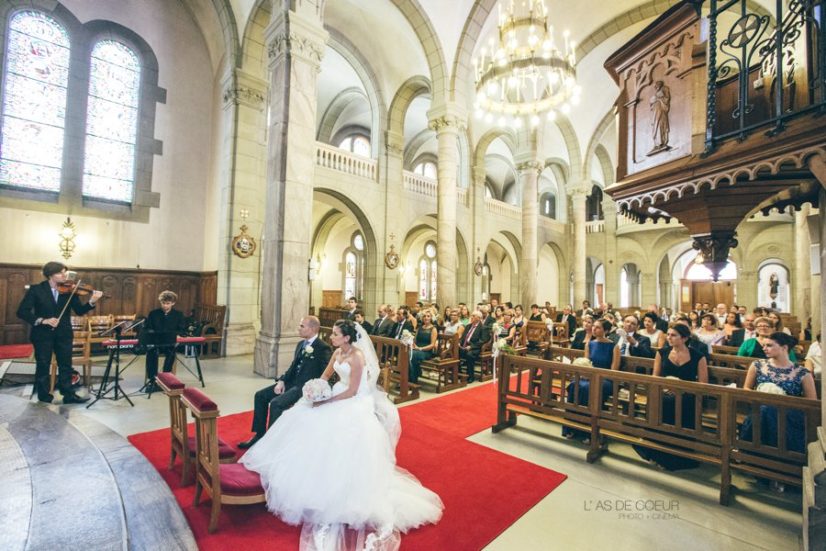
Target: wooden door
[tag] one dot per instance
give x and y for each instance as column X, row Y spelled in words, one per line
column 711, row 292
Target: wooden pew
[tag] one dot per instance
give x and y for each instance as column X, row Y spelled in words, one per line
column 445, row 364
column 394, row 357
column 728, row 360
column 537, row 337
column 625, row 414
column 211, row 317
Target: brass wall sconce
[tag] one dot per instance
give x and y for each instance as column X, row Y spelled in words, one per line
column 67, row 238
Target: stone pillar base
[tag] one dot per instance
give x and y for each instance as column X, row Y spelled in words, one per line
column 273, row 355
column 814, row 495
column 239, row 339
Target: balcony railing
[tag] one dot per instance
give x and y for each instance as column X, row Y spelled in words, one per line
column 419, row 184
column 500, row 207
column 762, row 71
column 595, row 226
column 340, row 160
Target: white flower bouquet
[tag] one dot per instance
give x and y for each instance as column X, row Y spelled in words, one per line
column 770, row 388
column 407, row 338
column 316, row 390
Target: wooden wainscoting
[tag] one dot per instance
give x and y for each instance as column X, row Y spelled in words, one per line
column 129, row 291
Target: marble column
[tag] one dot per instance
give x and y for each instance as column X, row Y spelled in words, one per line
column 529, row 179
column 295, row 41
column 241, row 197
column 579, row 255
column 609, row 209
column 391, row 178
column 801, row 286
column 478, row 216
column 447, row 125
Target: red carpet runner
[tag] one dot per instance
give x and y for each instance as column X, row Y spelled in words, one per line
column 484, row 491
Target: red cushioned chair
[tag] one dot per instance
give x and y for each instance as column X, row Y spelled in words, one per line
column 179, row 435
column 231, row 484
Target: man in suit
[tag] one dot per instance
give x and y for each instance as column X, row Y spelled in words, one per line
column 309, row 361
column 384, row 323
column 359, row 318
column 352, row 306
column 586, row 309
column 41, row 307
column 567, row 316
column 470, row 346
column 487, row 315
column 630, row 342
column 403, row 322
column 162, row 327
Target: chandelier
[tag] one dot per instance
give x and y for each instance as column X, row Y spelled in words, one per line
column 525, row 75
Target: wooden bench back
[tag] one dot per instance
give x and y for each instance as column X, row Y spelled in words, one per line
column 536, row 331
column 394, row 356
column 447, row 347
column 211, row 316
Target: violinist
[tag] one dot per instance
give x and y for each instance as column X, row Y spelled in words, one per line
column 44, row 307
column 163, row 325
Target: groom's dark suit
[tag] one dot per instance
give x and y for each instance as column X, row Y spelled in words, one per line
column 303, row 368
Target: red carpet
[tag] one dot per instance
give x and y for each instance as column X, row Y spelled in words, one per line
column 8, row 351
column 484, row 491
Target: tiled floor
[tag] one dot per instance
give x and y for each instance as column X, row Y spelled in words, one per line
column 595, row 508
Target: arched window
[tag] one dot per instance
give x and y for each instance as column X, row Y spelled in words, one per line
column 426, row 169
column 547, row 205
column 354, row 267
column 593, row 206
column 427, row 272
column 34, row 102
column 111, row 122
column 356, row 143
column 96, row 113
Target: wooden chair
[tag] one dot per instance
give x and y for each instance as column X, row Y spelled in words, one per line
column 485, row 361
column 211, row 317
column 537, row 337
column 124, row 317
column 96, row 326
column 81, row 353
column 79, row 323
column 394, row 360
column 560, row 336
column 230, row 484
column 179, row 435
column 445, row 364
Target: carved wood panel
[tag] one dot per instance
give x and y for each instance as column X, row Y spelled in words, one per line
column 129, row 291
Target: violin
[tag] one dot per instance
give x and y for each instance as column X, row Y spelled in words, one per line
column 74, row 287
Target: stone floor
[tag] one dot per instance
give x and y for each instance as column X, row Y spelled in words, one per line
column 595, row 508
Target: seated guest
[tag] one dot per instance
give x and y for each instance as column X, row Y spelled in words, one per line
column 814, row 357
column 651, row 329
column 749, row 331
column 518, row 317
column 694, row 319
column 778, row 323
column 507, row 330
column 404, row 322
column 630, row 342
column 161, row 329
column 660, row 323
column 487, row 318
column 779, row 371
column 464, row 314
column 309, row 361
column 586, row 309
column 708, row 332
column 385, row 322
column 753, row 348
column 424, row 345
column 474, row 337
column 733, row 330
column 604, row 354
column 352, row 306
column 583, row 335
column 676, row 359
column 567, row 316
column 454, row 325
column 359, row 318
column 499, row 315
column 720, row 314
column 536, row 315
column 693, row 342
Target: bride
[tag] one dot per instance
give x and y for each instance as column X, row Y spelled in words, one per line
column 331, row 465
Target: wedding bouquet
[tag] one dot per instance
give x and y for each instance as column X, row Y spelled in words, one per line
column 770, row 388
column 500, row 346
column 316, row 390
column 582, row 362
column 407, row 338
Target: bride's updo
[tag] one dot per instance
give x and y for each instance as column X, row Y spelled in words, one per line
column 347, row 329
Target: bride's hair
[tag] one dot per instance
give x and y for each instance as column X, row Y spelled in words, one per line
column 348, row 329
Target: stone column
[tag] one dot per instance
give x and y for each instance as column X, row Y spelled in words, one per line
column 295, row 43
column 609, row 208
column 649, row 290
column 801, row 302
column 579, row 256
column 241, row 193
column 446, row 123
column 478, row 215
column 391, row 178
column 747, row 288
column 529, row 178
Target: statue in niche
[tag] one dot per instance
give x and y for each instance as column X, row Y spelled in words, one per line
column 660, row 104
column 774, row 285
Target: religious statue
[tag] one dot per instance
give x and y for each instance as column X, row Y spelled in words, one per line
column 660, row 104
column 774, row 285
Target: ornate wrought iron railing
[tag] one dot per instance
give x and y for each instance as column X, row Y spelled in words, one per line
column 767, row 68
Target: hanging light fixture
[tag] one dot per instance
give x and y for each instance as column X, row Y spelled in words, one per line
column 525, row 74
column 67, row 238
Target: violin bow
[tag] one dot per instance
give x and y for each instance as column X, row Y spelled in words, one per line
column 67, row 303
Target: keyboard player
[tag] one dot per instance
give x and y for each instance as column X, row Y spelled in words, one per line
column 161, row 329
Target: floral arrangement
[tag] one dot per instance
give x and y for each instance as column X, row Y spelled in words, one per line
column 501, row 346
column 407, row 338
column 316, row 390
column 308, row 350
column 770, row 388
column 582, row 362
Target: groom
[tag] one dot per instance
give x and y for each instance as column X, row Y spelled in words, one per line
column 311, row 357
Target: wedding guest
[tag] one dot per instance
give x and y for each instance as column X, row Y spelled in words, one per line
column 694, row 319
column 464, row 314
column 454, row 325
column 507, row 330
column 518, row 317
column 754, row 347
column 708, row 332
column 778, row 323
column 814, row 357
column 567, row 316
column 778, row 373
column 733, row 330
column 404, row 322
column 358, row 317
column 383, row 326
column 630, row 342
column 651, row 329
column 604, row 354
column 536, row 315
column 720, row 315
column 424, row 345
column 677, row 360
column 309, row 360
column 352, row 306
column 474, row 337
column 749, row 331
column 584, row 334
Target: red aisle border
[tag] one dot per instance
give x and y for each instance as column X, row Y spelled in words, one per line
column 484, row 491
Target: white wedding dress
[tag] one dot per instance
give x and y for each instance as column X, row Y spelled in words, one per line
column 333, row 469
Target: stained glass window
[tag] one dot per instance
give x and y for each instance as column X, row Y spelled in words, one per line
column 111, row 122
column 423, row 279
column 350, row 275
column 433, row 280
column 34, row 103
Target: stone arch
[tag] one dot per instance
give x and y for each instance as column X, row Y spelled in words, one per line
column 566, row 129
column 330, row 116
column 603, row 126
column 506, row 134
column 416, row 142
column 606, row 165
column 411, row 89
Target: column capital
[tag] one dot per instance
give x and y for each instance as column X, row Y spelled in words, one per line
column 528, row 166
column 393, row 143
column 298, row 34
column 580, row 189
column 241, row 88
column 448, row 117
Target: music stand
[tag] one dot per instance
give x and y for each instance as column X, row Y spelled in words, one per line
column 117, row 330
